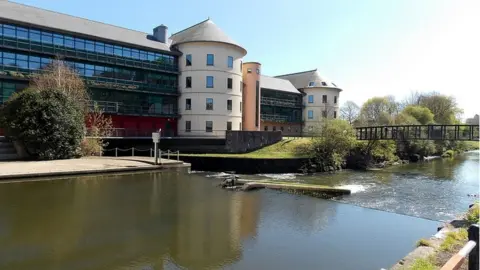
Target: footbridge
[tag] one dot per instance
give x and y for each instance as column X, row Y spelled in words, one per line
column 419, row 132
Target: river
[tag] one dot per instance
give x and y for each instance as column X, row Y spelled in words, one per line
column 177, row 221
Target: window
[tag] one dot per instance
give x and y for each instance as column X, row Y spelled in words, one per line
column 229, row 125
column 188, row 60
column 229, row 105
column 289, row 129
column 249, row 70
column 209, row 104
column 310, row 114
column 209, row 81
column 310, row 99
column 281, row 128
column 229, row 83
column 310, row 84
column 210, row 59
column 188, row 126
column 241, row 86
column 335, row 99
column 334, row 114
column 188, row 82
column 188, row 104
column 324, row 99
column 208, row 126
column 90, row 46
column 230, row 62
column 324, row 83
column 265, row 128
column 240, row 106
column 324, row 114
column 310, row 128
column 274, row 128
column 258, row 71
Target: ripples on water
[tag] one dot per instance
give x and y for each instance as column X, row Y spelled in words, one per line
column 436, row 189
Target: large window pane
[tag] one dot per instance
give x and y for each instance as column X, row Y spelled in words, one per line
column 135, row 54
column 22, row 64
column 22, row 33
column 69, row 42
column 35, row 35
column 79, row 44
column 118, row 51
column 109, row 49
column 58, row 40
column 127, row 52
column 89, row 46
column 99, row 47
column 9, row 30
column 47, row 38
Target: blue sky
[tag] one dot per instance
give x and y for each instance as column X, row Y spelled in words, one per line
column 368, row 47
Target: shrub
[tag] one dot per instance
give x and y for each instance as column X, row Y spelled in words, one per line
column 423, row 264
column 473, row 213
column 423, row 243
column 47, row 123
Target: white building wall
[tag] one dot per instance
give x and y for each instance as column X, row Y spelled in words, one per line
column 317, row 107
column 198, row 93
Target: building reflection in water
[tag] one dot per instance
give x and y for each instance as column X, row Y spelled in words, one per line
column 123, row 221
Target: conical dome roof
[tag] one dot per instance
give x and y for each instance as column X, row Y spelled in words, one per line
column 306, row 79
column 203, row 31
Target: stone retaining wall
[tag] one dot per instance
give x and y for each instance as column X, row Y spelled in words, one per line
column 247, row 141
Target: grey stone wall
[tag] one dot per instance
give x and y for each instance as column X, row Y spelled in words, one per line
column 247, row 141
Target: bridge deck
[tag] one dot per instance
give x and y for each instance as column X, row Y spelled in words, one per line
column 419, row 132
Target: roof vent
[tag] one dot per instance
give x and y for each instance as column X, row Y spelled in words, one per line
column 160, row 33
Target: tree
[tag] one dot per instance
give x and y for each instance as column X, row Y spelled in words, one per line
column 58, row 75
column 444, row 108
column 422, row 114
column 378, row 111
column 48, row 124
column 349, row 112
column 334, row 140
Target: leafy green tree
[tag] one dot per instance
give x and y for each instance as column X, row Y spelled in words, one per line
column 444, row 108
column 422, row 114
column 333, row 141
column 378, row 111
column 47, row 123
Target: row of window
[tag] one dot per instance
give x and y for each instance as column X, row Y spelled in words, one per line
column 274, row 128
column 250, row 71
column 30, row 62
column 209, row 104
column 209, row 126
column 324, row 99
column 209, row 82
column 324, row 114
column 210, row 60
column 45, row 37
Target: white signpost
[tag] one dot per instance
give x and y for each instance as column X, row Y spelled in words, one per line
column 156, row 141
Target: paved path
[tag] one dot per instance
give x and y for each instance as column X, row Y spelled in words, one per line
column 21, row 169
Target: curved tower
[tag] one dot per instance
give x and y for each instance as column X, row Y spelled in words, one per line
column 251, row 96
column 210, row 81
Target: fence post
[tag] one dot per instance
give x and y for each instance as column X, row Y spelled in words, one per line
column 133, row 152
column 473, row 256
column 116, row 151
column 178, row 155
column 151, row 152
column 168, row 154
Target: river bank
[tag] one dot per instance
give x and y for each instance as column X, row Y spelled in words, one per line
column 435, row 252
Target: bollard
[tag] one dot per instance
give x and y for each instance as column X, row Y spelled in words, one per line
column 168, row 154
column 473, row 256
column 116, row 151
column 133, row 152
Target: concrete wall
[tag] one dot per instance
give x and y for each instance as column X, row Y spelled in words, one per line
column 246, row 141
column 318, row 106
column 198, row 93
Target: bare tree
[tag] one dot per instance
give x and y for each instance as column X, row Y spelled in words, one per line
column 58, row 75
column 349, row 111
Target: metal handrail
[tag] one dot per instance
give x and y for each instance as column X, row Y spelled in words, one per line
column 470, row 249
column 133, row 149
column 119, row 107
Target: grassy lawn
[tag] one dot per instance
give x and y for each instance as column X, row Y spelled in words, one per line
column 286, row 148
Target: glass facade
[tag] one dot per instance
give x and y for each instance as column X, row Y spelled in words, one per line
column 121, row 79
column 280, row 106
column 35, row 39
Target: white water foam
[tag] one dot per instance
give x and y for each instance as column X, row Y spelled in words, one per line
column 280, row 176
column 219, row 175
column 353, row 188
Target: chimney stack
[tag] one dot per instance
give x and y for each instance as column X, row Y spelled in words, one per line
column 160, row 33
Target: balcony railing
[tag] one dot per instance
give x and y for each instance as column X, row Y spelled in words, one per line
column 120, row 108
column 132, row 133
column 279, row 118
column 55, row 50
column 102, row 82
column 280, row 102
